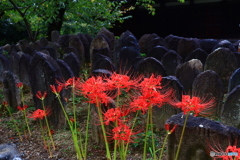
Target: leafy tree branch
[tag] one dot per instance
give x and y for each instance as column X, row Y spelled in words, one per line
column 41, row 17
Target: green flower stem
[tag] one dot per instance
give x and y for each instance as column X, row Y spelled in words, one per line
column 75, row 142
column 180, row 142
column 44, row 142
column 103, row 130
column 64, row 112
column 26, row 121
column 115, row 146
column 164, row 143
column 49, row 131
column 78, row 150
column 115, row 150
column 86, row 134
column 145, row 140
column 151, row 127
column 50, row 153
column 14, row 123
column 25, row 115
column 79, row 140
column 123, row 157
column 75, row 123
column 74, row 109
column 134, row 121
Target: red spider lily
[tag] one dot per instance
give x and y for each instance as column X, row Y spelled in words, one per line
column 167, row 127
column 5, row 103
column 19, row 85
column 170, row 131
column 52, row 131
column 70, row 82
column 22, row 108
column 114, row 115
column 149, row 99
column 95, row 90
column 152, row 83
column 56, row 90
column 151, row 94
column 41, row 95
column 123, row 133
column 234, row 149
column 39, row 113
column 119, row 81
column 139, row 104
column 72, row 120
column 194, row 105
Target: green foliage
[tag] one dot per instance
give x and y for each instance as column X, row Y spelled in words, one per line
column 139, row 141
column 90, row 16
column 40, row 17
column 79, row 16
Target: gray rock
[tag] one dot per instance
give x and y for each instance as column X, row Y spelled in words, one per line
column 97, row 43
column 158, row 41
column 149, row 66
column 231, row 109
column 55, row 36
column 11, row 92
column 223, row 62
column 197, row 54
column 9, row 151
column 234, row 80
column 158, row 52
column 187, row 72
column 127, row 39
column 110, row 37
column 170, row 61
column 144, row 41
column 72, row 60
column 200, row 134
column 208, row 85
column 44, row 71
column 187, row 45
column 208, row 44
column 225, row 44
column 172, row 41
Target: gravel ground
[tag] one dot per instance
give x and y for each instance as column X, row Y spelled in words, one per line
column 32, row 148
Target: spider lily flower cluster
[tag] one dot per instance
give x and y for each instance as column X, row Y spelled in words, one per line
column 129, row 99
column 130, row 96
column 39, row 114
column 192, row 105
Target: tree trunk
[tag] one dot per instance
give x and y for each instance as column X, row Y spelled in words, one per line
column 57, row 23
column 27, row 24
